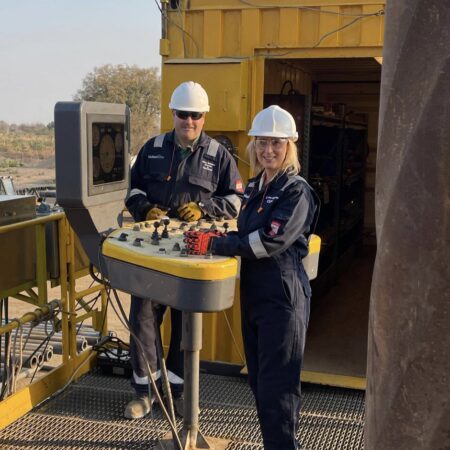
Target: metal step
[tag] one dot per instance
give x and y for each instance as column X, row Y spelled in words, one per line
column 89, row 414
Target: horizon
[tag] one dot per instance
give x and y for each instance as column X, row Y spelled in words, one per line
column 47, row 48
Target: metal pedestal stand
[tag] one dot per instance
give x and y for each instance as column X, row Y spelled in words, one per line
column 191, row 437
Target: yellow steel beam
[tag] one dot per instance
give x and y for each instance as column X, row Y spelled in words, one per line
column 13, row 292
column 41, row 266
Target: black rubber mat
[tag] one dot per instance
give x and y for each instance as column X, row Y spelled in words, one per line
column 89, row 415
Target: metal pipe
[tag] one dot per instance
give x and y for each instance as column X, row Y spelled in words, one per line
column 48, row 354
column 88, row 332
column 36, row 315
column 81, row 346
column 56, row 343
column 31, row 362
column 191, row 343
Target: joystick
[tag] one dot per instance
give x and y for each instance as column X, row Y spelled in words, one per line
column 165, row 233
column 155, row 234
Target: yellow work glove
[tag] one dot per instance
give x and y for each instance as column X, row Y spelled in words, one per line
column 155, row 213
column 190, row 212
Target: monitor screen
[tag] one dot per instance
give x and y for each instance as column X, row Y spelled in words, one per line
column 92, row 142
column 108, row 148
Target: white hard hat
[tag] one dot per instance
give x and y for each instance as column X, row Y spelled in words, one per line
column 274, row 122
column 189, row 96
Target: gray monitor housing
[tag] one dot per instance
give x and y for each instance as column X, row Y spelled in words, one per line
column 92, row 142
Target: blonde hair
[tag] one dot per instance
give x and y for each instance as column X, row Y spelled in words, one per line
column 290, row 163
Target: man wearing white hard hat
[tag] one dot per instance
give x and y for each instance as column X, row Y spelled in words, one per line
column 278, row 214
column 187, row 175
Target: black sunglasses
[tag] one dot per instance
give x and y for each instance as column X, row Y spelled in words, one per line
column 185, row 114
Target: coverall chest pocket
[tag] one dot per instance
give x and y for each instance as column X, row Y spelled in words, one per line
column 207, row 185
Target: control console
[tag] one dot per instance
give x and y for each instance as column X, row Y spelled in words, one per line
column 150, row 260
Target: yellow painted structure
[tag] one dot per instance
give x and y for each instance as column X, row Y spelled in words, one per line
column 72, row 265
column 242, row 51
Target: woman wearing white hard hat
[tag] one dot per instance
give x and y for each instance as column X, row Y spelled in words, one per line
column 277, row 216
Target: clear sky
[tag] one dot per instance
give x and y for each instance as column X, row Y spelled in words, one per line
column 48, row 46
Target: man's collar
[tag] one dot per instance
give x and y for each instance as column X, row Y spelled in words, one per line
column 190, row 147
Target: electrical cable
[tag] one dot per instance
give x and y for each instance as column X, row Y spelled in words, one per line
column 126, row 324
column 180, row 27
column 17, row 366
column 233, row 337
column 241, row 159
column 309, row 8
column 6, row 385
column 165, row 379
column 124, row 320
column 180, row 17
column 3, row 372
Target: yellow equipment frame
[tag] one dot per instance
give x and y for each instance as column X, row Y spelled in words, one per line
column 35, row 293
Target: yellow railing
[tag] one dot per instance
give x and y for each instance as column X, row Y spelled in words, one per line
column 25, row 251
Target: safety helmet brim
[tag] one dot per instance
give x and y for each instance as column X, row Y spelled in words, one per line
column 274, row 121
column 273, row 134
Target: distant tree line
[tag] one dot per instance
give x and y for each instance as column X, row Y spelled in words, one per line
column 136, row 87
column 33, row 128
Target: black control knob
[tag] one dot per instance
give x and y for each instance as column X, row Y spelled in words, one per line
column 155, row 234
column 176, row 247
column 226, row 225
column 122, row 237
column 137, row 242
column 165, row 233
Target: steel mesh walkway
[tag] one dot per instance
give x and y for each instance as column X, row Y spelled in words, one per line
column 89, row 415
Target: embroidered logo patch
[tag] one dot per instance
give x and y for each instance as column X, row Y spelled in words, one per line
column 239, row 187
column 208, row 165
column 274, row 227
column 270, row 199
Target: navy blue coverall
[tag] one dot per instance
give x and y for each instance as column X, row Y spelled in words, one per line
column 272, row 238
column 163, row 176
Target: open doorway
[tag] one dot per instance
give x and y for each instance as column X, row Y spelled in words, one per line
column 335, row 102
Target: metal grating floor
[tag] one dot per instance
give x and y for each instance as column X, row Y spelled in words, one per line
column 88, row 415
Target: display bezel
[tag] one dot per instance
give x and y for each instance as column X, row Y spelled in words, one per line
column 112, row 186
